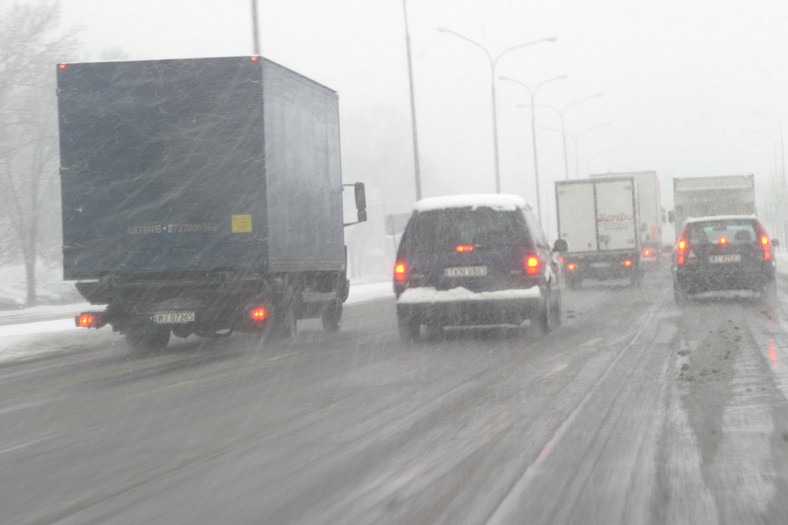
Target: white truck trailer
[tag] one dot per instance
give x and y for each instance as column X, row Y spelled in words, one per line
column 715, row 195
column 598, row 218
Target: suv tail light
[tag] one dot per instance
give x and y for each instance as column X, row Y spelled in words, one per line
column 400, row 272
column 767, row 249
column 532, row 265
column 681, row 250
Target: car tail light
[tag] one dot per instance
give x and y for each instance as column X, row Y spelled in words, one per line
column 681, row 251
column 400, row 272
column 647, row 252
column 560, row 258
column 532, row 265
column 258, row 314
column 571, row 266
column 463, row 248
column 626, row 263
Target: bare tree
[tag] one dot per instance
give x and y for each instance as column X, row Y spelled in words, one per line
column 30, row 46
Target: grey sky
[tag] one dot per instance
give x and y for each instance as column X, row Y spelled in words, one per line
column 681, row 79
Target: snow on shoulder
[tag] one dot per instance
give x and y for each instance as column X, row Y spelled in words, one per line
column 496, row 201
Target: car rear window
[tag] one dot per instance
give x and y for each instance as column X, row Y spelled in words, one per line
column 734, row 232
column 483, row 228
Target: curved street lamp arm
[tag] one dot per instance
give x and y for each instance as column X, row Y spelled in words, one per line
column 518, row 46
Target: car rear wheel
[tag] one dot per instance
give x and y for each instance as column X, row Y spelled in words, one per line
column 769, row 293
column 679, row 295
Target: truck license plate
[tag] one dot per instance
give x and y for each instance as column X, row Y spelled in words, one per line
column 466, row 271
column 728, row 258
column 173, row 318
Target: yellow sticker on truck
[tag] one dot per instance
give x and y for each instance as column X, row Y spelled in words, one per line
column 242, row 223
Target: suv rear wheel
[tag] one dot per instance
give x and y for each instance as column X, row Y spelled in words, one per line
column 549, row 316
column 409, row 327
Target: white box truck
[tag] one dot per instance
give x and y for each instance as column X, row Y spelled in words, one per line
column 714, row 195
column 598, row 219
column 650, row 212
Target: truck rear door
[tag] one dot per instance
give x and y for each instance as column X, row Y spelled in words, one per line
column 576, row 216
column 616, row 217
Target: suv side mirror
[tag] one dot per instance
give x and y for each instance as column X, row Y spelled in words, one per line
column 560, row 246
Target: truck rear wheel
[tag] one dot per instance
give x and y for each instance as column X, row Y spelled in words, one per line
column 331, row 316
column 148, row 338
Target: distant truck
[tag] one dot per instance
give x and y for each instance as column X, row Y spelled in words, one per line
column 650, row 213
column 599, row 221
column 201, row 196
column 715, row 195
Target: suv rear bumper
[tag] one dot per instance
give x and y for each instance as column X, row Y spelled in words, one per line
column 459, row 307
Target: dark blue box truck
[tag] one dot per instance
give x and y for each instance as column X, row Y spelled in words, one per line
column 201, row 196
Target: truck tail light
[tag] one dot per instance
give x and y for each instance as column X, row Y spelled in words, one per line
column 532, row 265
column 400, row 272
column 89, row 320
column 258, row 314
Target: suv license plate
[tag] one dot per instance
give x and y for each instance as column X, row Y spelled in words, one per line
column 728, row 258
column 173, row 318
column 466, row 271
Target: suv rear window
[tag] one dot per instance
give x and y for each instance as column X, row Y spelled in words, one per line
column 442, row 230
column 735, row 232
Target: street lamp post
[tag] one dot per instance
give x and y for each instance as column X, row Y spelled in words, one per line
column 782, row 147
column 532, row 93
column 493, row 60
column 561, row 113
column 416, row 166
column 255, row 29
column 576, row 138
column 577, row 147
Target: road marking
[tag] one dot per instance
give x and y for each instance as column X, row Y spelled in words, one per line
column 558, row 368
column 591, row 342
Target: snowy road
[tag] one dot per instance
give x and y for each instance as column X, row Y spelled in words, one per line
column 633, row 412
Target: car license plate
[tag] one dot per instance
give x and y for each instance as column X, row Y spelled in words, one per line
column 727, row 258
column 600, row 265
column 466, row 271
column 173, row 318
